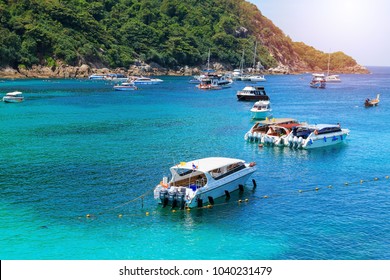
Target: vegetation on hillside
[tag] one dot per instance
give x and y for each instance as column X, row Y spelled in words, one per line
column 116, row 33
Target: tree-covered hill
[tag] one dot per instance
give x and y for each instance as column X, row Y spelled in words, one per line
column 116, row 33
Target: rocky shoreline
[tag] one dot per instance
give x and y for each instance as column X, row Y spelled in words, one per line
column 84, row 71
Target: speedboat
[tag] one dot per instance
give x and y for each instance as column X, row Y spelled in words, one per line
column 201, row 181
column 250, row 93
column 372, row 102
column 96, row 77
column 125, row 86
column 257, row 78
column 13, row 97
column 146, row 81
column 261, row 109
column 116, row 77
column 316, row 136
column 260, row 128
column 318, row 81
column 333, row 79
column 277, row 135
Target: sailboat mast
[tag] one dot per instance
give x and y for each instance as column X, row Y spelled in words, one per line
column 242, row 61
column 208, row 61
column 254, row 57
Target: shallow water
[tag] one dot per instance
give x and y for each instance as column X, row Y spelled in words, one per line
column 76, row 147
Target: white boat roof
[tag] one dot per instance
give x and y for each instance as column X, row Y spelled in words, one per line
column 322, row 126
column 14, row 93
column 278, row 121
column 249, row 88
column 207, row 164
column 318, row 75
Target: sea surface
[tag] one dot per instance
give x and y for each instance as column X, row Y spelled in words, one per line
column 79, row 161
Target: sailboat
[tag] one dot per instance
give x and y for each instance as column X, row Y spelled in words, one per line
column 332, row 78
column 256, row 78
column 238, row 74
column 210, row 80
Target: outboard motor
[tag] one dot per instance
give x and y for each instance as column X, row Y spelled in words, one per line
column 164, row 197
column 171, row 196
column 180, row 198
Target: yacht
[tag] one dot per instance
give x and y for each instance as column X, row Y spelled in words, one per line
column 200, row 181
column 250, row 93
column 145, row 81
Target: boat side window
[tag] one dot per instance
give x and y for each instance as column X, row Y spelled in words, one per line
column 230, row 169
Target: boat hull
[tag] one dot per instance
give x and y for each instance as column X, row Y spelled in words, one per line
column 13, row 100
column 320, row 141
column 124, row 88
column 242, row 97
column 261, row 115
column 230, row 184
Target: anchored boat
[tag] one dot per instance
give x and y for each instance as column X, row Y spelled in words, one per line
column 261, row 109
column 316, row 136
column 250, row 93
column 372, row 102
column 203, row 180
column 13, row 97
column 260, row 128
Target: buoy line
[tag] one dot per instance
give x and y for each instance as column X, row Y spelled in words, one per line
column 241, row 201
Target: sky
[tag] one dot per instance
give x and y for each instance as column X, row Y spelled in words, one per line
column 359, row 28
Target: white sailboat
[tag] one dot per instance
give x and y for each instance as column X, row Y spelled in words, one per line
column 332, row 78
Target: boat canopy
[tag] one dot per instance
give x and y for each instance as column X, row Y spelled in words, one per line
column 326, row 128
column 277, row 121
column 206, row 164
column 14, row 93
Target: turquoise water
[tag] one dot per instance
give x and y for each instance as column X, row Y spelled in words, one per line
column 76, row 147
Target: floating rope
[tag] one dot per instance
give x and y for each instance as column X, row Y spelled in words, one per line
column 240, row 201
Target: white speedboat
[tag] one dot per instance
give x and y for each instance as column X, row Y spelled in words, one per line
column 146, row 81
column 318, row 81
column 260, row 128
column 257, row 78
column 97, row 77
column 261, row 110
column 116, row 77
column 13, row 97
column 250, row 93
column 125, row 87
column 200, row 181
column 316, row 136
